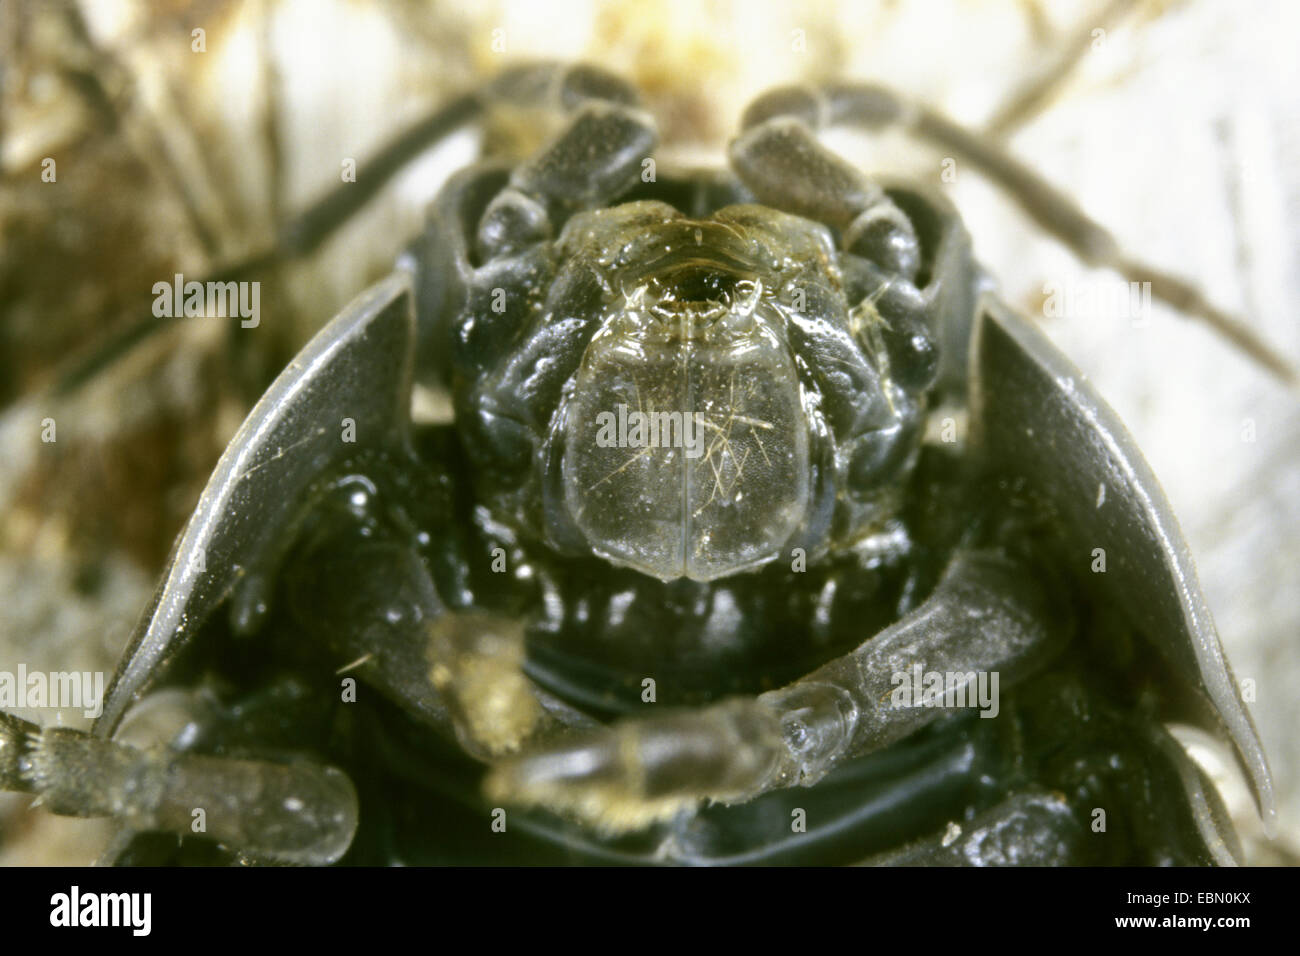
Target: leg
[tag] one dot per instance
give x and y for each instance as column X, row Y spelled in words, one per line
column 1028, row 100
column 778, row 157
column 356, row 581
column 284, row 812
column 357, row 584
column 987, row 614
column 582, row 90
column 299, row 237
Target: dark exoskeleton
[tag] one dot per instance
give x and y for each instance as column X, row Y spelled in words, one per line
column 763, row 532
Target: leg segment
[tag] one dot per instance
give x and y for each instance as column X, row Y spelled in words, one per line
column 781, row 160
column 358, row 582
column 595, row 158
